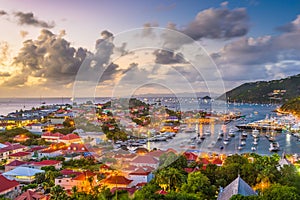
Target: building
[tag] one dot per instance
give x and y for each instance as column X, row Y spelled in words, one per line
column 22, row 174
column 11, row 149
column 144, row 161
column 238, row 186
column 45, row 163
column 9, row 188
column 83, row 181
column 140, row 175
column 51, row 137
column 31, row 195
column 117, row 182
column 70, row 138
column 23, row 156
column 12, row 165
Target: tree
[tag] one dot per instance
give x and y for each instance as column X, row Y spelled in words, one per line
column 199, row 184
column 279, row 192
column 58, row 193
column 170, row 179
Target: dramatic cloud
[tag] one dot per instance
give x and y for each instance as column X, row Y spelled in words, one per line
column 4, row 52
column 256, row 58
column 2, row 12
column 4, row 74
column 49, row 57
column 30, row 19
column 167, row 57
column 218, row 23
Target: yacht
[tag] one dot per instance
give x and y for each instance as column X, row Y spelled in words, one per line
column 274, row 146
column 253, row 148
column 255, row 133
column 231, row 133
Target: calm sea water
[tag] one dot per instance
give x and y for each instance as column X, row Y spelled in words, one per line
column 253, row 112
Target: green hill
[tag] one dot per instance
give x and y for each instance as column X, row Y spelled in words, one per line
column 292, row 106
column 275, row 91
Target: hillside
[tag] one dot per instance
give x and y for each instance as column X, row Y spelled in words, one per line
column 275, row 91
column 292, row 106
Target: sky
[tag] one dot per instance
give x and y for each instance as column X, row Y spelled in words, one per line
column 56, row 48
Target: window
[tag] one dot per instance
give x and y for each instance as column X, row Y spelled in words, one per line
column 59, row 181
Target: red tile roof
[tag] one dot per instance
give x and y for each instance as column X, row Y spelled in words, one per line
column 19, row 154
column 7, row 184
column 33, row 149
column 190, row 156
column 11, row 147
column 16, row 163
column 46, row 162
column 217, row 161
column 30, row 195
column 84, row 175
column 145, row 159
column 117, row 180
column 70, row 136
column 204, row 161
column 140, row 171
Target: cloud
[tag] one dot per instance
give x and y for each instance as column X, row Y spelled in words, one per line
column 168, row 57
column 290, row 27
column 23, row 33
column 254, row 58
column 30, row 19
column 4, row 52
column 4, row 74
column 220, row 23
column 2, row 12
column 49, row 57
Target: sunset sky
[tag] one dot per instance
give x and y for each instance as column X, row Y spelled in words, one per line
column 196, row 46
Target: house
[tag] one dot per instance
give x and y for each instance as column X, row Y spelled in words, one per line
column 144, row 161
column 55, row 163
column 117, row 181
column 12, row 165
column 23, row 156
column 238, row 186
column 11, row 149
column 9, row 188
column 31, row 195
column 70, row 138
column 190, row 157
column 22, row 174
column 76, row 148
column 140, row 175
column 50, row 153
column 83, row 181
column 51, row 137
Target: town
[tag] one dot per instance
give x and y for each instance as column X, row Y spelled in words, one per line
column 100, row 151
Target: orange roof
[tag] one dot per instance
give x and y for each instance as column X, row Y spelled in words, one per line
column 161, row 192
column 7, row 184
column 84, row 175
column 69, row 172
column 117, row 180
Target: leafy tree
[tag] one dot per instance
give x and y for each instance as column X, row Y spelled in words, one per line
column 170, row 178
column 279, row 192
column 198, row 183
column 58, row 193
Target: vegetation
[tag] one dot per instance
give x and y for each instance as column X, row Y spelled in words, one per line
column 262, row 91
column 292, row 106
